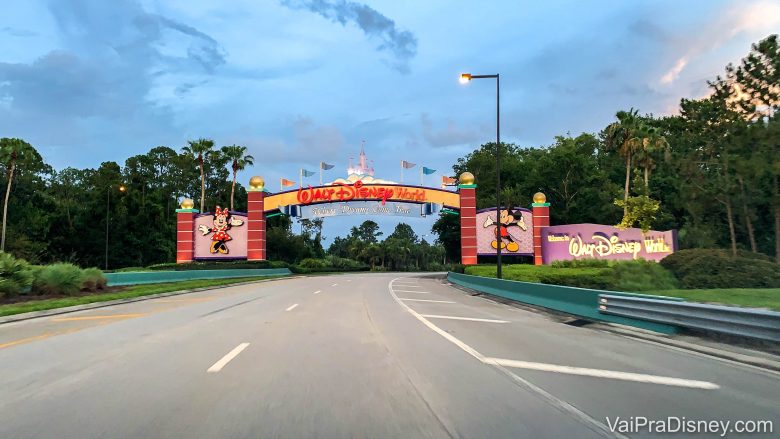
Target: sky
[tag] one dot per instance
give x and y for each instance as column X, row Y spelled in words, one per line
column 304, row 81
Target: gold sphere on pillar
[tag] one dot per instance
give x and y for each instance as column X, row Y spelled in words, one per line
column 256, row 183
column 540, row 198
column 466, row 178
column 187, row 203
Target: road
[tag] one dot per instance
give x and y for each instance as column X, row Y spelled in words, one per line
column 358, row 355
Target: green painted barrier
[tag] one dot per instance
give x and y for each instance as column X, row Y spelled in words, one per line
column 153, row 277
column 580, row 302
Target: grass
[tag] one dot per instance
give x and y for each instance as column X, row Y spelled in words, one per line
column 751, row 297
column 126, row 293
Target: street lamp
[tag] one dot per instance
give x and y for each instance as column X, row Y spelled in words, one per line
column 464, row 79
column 122, row 188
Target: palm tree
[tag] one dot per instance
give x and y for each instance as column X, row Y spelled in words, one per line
column 622, row 136
column 198, row 150
column 237, row 155
column 13, row 152
column 652, row 143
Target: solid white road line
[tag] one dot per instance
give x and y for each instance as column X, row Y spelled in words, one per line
column 292, row 307
column 600, row 373
column 592, row 423
column 409, row 286
column 471, row 319
column 226, row 359
column 318, row 292
column 407, row 291
column 426, row 300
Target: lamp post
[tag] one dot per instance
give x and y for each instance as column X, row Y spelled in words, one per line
column 464, row 79
column 108, row 206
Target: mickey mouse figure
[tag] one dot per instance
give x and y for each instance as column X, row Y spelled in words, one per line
column 222, row 222
column 507, row 218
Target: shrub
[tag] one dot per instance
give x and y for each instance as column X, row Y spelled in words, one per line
column 312, row 263
column 16, row 276
column 58, row 279
column 582, row 263
column 216, row 265
column 717, row 268
column 93, row 279
column 458, row 268
column 596, row 278
column 641, row 275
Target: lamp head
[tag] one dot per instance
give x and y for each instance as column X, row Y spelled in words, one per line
column 465, row 78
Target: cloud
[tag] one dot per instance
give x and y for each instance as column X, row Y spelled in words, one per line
column 112, row 59
column 309, row 144
column 450, row 135
column 401, row 44
column 14, row 32
column 675, row 71
column 757, row 18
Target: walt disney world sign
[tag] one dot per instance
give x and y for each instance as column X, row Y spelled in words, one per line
column 359, row 191
column 596, row 241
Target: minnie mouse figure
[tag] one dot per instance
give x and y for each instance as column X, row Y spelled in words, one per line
column 222, row 222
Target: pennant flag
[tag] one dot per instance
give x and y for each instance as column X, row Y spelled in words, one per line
column 324, row 166
column 286, row 183
column 428, row 171
column 447, row 180
column 407, row 165
column 306, row 173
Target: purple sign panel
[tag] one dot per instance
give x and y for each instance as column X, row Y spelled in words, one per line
column 513, row 232
column 597, row 241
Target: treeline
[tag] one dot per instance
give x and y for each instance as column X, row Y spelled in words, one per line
column 402, row 250
column 64, row 215
column 710, row 171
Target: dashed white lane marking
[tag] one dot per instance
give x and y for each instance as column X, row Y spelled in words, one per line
column 470, row 319
column 592, row 423
column 292, row 307
column 335, row 285
column 349, row 280
column 426, row 300
column 600, row 373
column 318, row 292
column 407, row 291
column 226, row 359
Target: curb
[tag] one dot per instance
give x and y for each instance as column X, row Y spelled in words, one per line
column 87, row 306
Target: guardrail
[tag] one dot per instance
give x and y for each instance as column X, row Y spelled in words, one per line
column 753, row 323
column 151, row 277
column 581, row 302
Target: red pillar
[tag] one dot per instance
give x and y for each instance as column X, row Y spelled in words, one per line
column 541, row 219
column 256, row 245
column 185, row 232
column 468, row 219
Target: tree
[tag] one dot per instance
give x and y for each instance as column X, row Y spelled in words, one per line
column 367, row 232
column 200, row 150
column 239, row 159
column 652, row 143
column 12, row 153
column 622, row 136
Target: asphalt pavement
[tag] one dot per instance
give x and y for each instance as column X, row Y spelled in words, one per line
column 353, row 356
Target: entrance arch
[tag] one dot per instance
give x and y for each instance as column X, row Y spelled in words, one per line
column 345, row 198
